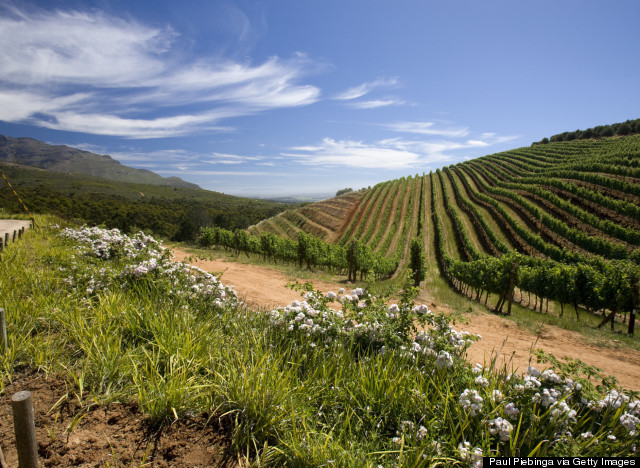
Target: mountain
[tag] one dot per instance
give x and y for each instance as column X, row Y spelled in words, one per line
column 62, row 158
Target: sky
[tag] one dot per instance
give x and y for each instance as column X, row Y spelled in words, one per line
column 306, row 97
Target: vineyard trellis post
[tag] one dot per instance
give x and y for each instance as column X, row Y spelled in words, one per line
column 4, row 345
column 25, row 430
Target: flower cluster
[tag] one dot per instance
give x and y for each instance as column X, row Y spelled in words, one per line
column 471, row 401
column 109, row 243
column 144, row 259
column 473, row 456
column 370, row 322
column 408, row 429
column 500, row 426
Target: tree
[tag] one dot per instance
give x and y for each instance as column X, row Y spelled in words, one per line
column 417, row 262
column 343, row 191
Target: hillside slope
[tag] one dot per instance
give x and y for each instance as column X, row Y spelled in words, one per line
column 62, row 158
column 176, row 212
column 562, row 208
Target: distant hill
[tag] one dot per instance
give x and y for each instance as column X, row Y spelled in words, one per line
column 62, row 158
column 173, row 212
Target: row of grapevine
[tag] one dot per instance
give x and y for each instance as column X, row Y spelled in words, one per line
column 607, row 285
column 306, row 250
column 629, row 235
column 487, row 237
column 357, row 223
column 596, row 245
column 603, row 282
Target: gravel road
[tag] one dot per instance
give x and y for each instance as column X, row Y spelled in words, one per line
column 9, row 226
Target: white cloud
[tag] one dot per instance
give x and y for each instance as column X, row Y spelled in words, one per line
column 356, row 154
column 223, row 158
column 373, row 104
column 390, row 153
column 226, row 173
column 426, row 128
column 90, row 72
column 365, row 88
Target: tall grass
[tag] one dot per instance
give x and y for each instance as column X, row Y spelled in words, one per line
column 340, row 379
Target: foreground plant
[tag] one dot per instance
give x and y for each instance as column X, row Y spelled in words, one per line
column 339, row 378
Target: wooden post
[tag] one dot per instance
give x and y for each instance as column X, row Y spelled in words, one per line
column 14, row 235
column 1, row 244
column 3, row 332
column 25, row 429
column 6, row 239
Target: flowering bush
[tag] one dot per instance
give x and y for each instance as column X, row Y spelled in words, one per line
column 372, row 325
column 139, row 260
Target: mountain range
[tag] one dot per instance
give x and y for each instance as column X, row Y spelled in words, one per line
column 66, row 159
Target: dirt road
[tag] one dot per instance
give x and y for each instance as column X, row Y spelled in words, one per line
column 266, row 288
column 10, row 228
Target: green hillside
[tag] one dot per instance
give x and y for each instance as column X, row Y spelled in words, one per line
column 62, row 158
column 175, row 212
column 565, row 213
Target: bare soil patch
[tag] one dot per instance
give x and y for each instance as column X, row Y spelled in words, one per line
column 112, row 435
column 265, row 287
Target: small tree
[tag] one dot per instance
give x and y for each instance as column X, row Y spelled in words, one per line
column 343, row 191
column 417, row 262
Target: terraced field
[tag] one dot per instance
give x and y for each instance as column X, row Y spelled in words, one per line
column 558, row 222
column 323, row 219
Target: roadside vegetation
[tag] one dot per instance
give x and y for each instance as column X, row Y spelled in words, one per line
column 343, row 378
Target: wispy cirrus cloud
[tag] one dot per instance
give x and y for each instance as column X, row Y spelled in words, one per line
column 375, row 103
column 354, row 154
column 426, row 128
column 94, row 73
column 223, row 158
column 365, row 88
column 389, row 153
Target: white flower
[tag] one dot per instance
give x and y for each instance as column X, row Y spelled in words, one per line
column 613, row 400
column 422, row 433
column 511, row 410
column 531, row 382
column 444, row 360
column 482, row 381
column 471, row 401
column 500, row 426
column 629, row 421
column 140, row 270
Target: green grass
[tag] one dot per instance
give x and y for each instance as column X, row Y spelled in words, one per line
column 351, row 390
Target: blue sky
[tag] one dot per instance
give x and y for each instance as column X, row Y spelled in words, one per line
column 291, row 97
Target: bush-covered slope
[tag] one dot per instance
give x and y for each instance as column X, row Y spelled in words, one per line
column 167, row 211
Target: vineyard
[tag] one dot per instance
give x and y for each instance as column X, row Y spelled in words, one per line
column 555, row 223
